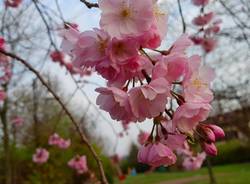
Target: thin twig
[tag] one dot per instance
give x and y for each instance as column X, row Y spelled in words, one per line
column 90, row 5
column 57, row 98
column 182, row 17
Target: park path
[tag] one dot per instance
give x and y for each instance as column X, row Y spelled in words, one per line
column 185, row 180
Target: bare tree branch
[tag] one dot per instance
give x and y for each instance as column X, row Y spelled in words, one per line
column 90, row 5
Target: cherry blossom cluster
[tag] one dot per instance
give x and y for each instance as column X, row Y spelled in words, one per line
column 79, row 163
column 12, row 3
column 142, row 81
column 56, row 140
column 208, row 26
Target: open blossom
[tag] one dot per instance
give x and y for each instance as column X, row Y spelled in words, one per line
column 13, row 3
column 200, row 2
column 54, row 139
column 170, row 67
column 41, row 156
column 180, row 45
column 17, row 121
column 79, row 163
column 196, row 83
column 90, row 48
column 143, row 137
column 149, row 100
column 170, row 137
column 126, row 18
column 115, row 102
column 64, row 144
column 188, row 115
column 194, row 162
column 156, row 154
column 202, row 20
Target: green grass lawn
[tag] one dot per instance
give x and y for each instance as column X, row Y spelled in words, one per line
column 228, row 174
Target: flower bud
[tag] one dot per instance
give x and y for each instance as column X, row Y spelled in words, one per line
column 218, row 131
column 210, row 149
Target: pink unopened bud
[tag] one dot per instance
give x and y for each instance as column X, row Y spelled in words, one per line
column 210, row 136
column 210, row 149
column 218, row 131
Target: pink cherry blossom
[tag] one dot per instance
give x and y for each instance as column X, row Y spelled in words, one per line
column 2, row 95
column 115, row 102
column 202, row 20
column 180, row 45
column 90, row 48
column 170, row 67
column 64, row 144
column 196, row 83
column 209, row 44
column 200, row 2
column 170, row 137
column 126, row 18
column 143, row 137
column 54, row 139
column 2, row 43
column 41, row 156
column 70, row 37
column 194, row 162
column 79, row 163
column 188, row 115
column 13, row 3
column 17, row 121
column 156, row 155
column 57, row 56
column 121, row 51
column 149, row 100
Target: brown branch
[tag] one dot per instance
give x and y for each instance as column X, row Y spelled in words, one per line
column 57, row 98
column 90, row 5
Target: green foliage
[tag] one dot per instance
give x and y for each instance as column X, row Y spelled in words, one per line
column 232, row 152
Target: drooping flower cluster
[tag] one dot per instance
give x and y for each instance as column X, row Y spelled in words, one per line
column 79, row 163
column 143, row 80
column 40, row 156
column 208, row 26
column 56, row 140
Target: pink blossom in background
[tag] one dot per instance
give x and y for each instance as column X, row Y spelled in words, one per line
column 188, row 115
column 209, row 44
column 57, row 56
column 122, row 18
column 79, row 163
column 2, row 95
column 197, row 82
column 200, row 2
column 54, row 139
column 156, row 154
column 17, row 121
column 2, row 43
column 64, row 144
column 194, row 162
column 40, row 156
column 202, row 20
column 13, row 3
column 149, row 100
column 143, row 137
